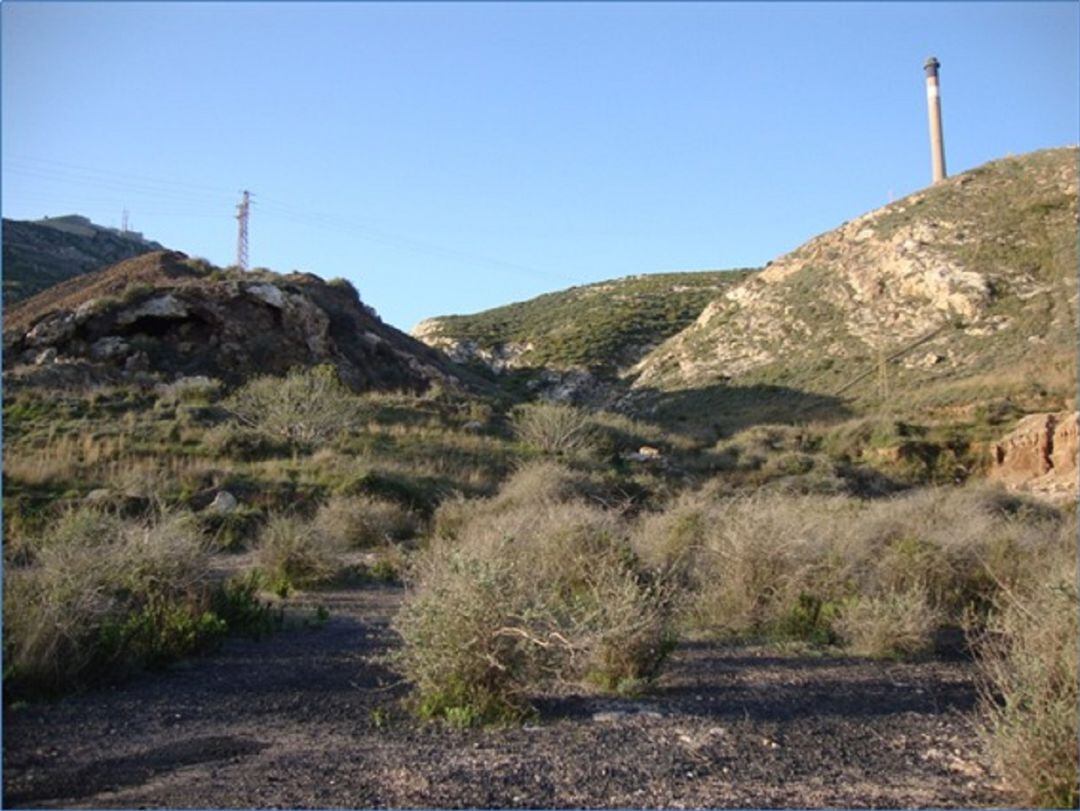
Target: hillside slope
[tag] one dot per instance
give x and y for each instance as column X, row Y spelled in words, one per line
column 39, row 254
column 165, row 315
column 962, row 294
column 596, row 329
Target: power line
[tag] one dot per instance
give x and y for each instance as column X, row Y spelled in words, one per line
column 372, row 234
column 211, row 196
column 121, row 175
column 104, row 183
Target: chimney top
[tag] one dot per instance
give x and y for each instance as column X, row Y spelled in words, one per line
column 931, row 66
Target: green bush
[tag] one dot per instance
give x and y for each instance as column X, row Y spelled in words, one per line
column 237, row 603
column 544, row 482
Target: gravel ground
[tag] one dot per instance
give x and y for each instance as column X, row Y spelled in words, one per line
column 309, row 718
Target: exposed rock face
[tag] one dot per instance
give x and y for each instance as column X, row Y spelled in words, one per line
column 973, row 276
column 167, row 306
column 173, row 317
column 1040, row 456
column 1066, row 445
column 500, row 358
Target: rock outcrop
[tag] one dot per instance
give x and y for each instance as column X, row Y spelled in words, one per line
column 164, row 316
column 1039, row 456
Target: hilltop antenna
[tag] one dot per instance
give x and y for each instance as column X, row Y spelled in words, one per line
column 242, row 211
column 124, row 222
column 933, row 103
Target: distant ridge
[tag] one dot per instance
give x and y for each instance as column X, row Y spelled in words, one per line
column 40, row 253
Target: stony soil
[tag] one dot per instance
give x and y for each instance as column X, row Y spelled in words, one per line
column 310, row 718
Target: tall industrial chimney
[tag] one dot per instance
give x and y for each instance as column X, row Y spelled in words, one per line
column 933, row 103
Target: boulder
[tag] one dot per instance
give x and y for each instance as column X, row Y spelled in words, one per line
column 268, row 294
column 109, row 347
column 101, row 495
column 167, row 306
column 224, row 502
column 52, row 329
column 139, row 362
column 45, row 357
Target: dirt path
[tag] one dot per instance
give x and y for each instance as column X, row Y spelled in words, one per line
column 297, row 720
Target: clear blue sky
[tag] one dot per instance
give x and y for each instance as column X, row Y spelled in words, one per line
column 448, row 158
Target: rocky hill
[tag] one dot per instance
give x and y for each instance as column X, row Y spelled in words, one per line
column 963, row 294
column 163, row 316
column 38, row 254
column 571, row 341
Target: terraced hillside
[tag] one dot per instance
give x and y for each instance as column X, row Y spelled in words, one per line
column 600, row 327
column 959, row 296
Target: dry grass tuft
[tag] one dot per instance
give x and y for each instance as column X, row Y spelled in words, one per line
column 294, row 553
column 365, row 521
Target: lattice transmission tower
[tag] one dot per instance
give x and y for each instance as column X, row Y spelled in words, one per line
column 242, row 211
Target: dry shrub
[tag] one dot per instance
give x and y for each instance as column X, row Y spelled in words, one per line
column 753, row 447
column 294, row 553
column 533, row 484
column 555, row 428
column 104, row 594
column 305, row 406
column 1029, row 661
column 763, row 557
column 958, row 545
column 76, row 526
column 450, row 518
column 543, row 482
column 523, row 598
column 895, row 624
column 836, row 568
column 670, row 541
column 364, row 521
